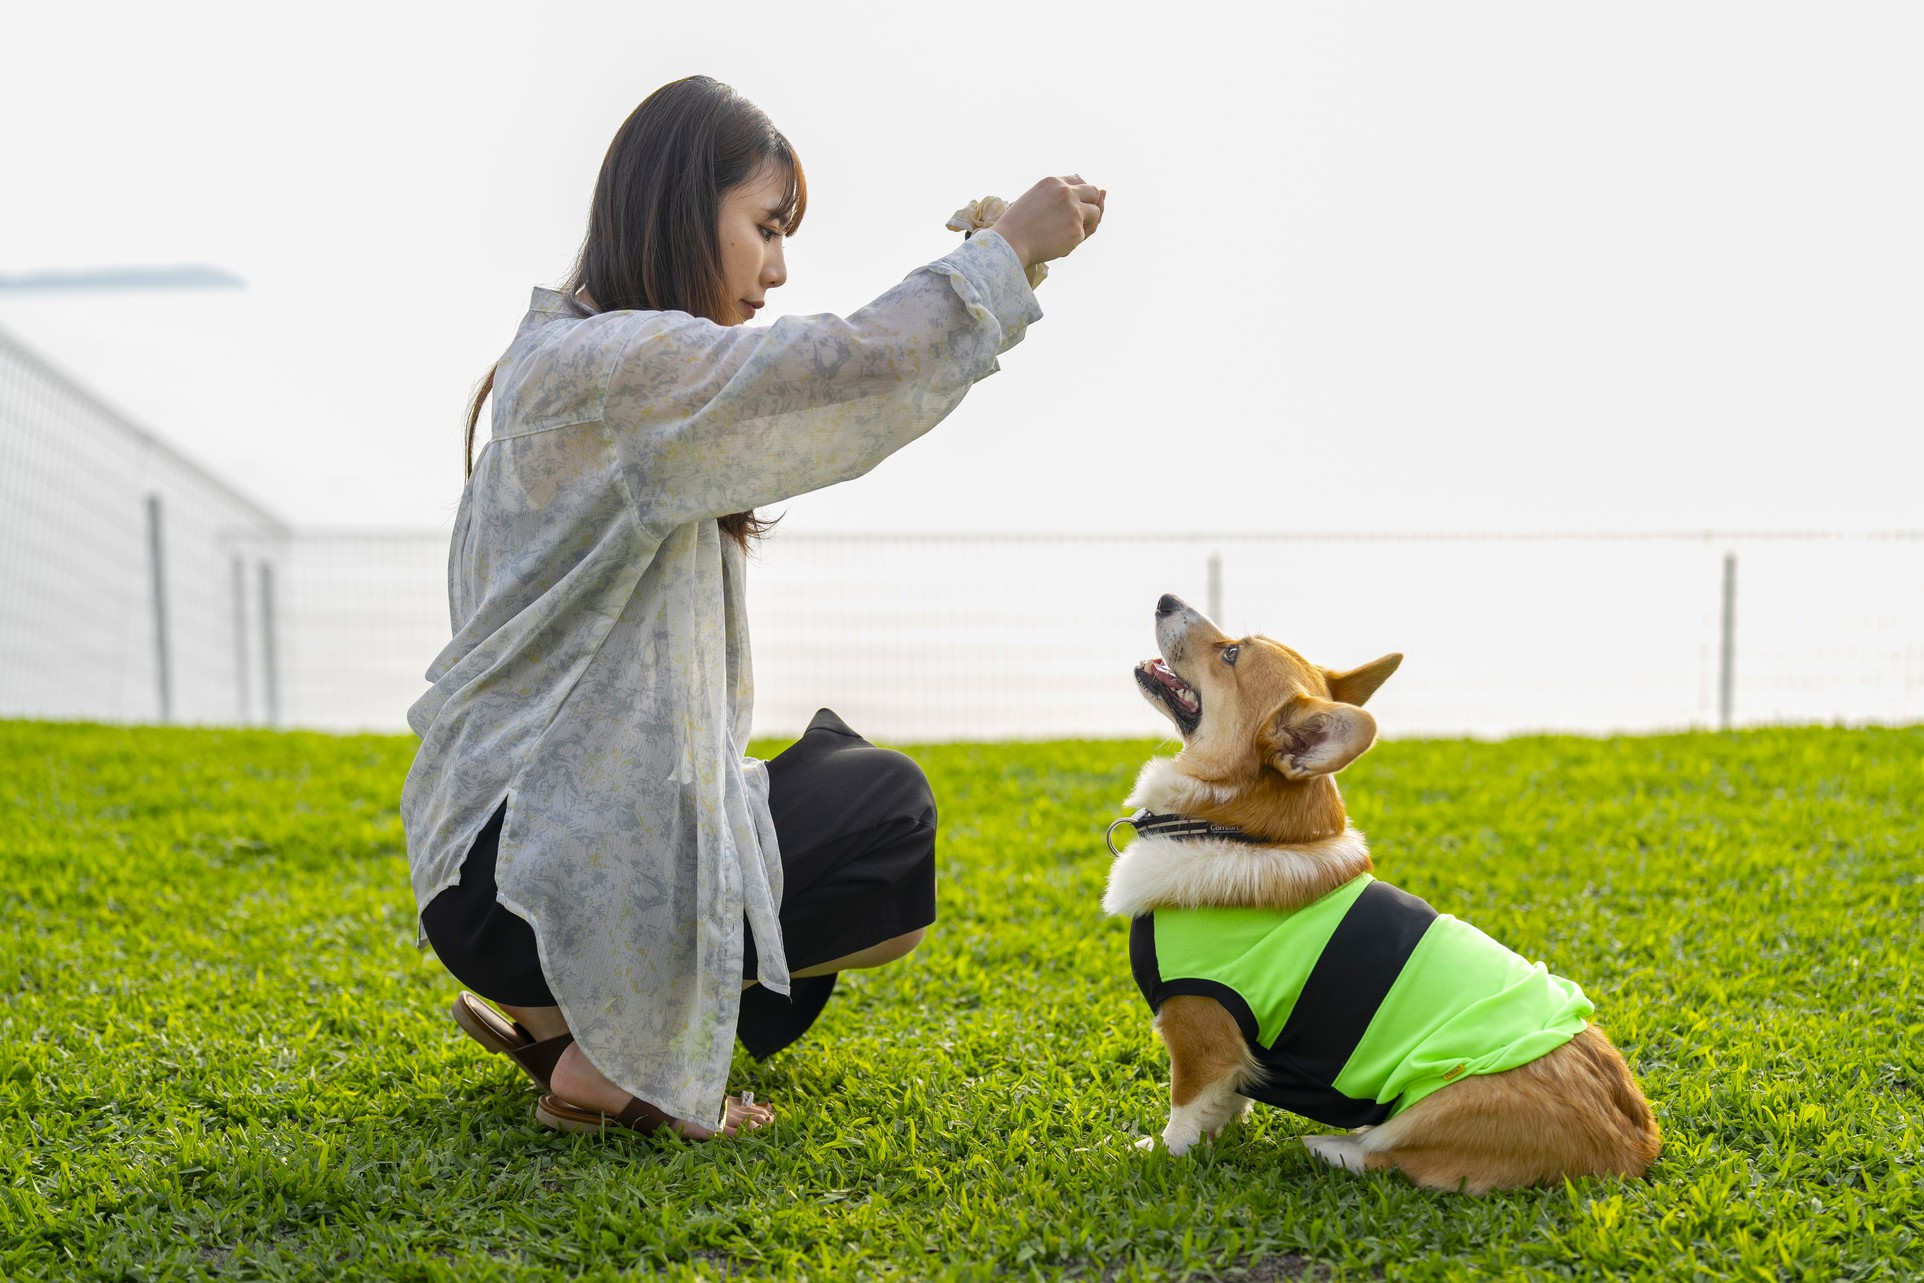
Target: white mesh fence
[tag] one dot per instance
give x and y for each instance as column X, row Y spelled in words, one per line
column 90, row 507
column 367, row 612
column 931, row 636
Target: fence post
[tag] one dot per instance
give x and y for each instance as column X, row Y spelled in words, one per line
column 1727, row 657
column 158, row 575
column 270, row 663
column 239, row 566
column 1216, row 588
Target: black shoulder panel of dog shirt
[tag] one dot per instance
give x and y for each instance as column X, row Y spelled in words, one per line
column 1331, row 1012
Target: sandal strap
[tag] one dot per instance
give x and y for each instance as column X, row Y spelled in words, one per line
column 539, row 1058
column 640, row 1116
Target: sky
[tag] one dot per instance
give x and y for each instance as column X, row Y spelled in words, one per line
column 1398, row 266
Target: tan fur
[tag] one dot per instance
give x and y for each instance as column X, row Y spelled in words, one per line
column 1574, row 1112
column 1259, row 802
column 1283, row 810
column 1157, row 871
column 1273, row 731
column 1232, row 759
column 1205, row 1045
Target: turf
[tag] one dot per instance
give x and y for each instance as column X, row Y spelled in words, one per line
column 221, row 1056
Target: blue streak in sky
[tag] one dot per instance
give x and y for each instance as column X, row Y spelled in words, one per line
column 187, row 276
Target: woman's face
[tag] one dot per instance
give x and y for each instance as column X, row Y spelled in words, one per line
column 752, row 238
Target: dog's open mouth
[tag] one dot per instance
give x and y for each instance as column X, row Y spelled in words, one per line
column 1161, row 684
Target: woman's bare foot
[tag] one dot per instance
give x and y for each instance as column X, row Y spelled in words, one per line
column 578, row 1082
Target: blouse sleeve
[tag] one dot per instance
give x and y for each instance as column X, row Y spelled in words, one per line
column 713, row 419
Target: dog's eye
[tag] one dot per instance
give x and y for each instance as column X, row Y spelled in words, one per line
column 1229, row 655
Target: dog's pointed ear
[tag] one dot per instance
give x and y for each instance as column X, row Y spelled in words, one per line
column 1358, row 684
column 1309, row 736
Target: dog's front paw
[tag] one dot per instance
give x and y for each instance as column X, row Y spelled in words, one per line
column 1180, row 1140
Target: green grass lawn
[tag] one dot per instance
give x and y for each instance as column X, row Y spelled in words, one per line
column 221, row 1055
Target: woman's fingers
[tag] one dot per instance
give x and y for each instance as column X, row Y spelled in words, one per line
column 1089, row 197
column 1052, row 218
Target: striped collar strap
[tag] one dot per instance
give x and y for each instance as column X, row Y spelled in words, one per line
column 1148, row 824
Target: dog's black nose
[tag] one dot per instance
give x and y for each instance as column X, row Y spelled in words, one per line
column 1169, row 604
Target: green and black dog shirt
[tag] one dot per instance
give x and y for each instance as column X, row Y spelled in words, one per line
column 1361, row 1003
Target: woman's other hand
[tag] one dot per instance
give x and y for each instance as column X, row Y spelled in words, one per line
column 1052, row 218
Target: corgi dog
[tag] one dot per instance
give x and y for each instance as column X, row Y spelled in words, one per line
column 1281, row 971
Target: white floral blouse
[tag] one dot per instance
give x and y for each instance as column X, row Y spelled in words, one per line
column 599, row 675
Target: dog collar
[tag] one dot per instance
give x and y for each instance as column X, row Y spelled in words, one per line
column 1148, row 824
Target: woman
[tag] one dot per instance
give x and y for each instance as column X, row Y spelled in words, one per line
column 589, row 847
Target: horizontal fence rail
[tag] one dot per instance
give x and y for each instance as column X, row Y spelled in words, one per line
column 1021, row 636
column 940, row 638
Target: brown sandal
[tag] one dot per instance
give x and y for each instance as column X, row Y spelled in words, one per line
column 536, row 1056
column 638, row 1116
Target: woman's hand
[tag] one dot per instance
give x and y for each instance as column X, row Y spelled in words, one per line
column 1052, row 218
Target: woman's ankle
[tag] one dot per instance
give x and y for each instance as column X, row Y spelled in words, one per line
column 577, row 1081
column 541, row 1022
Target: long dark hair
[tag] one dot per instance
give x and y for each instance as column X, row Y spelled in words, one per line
column 652, row 240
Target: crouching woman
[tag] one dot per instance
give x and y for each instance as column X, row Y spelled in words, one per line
column 590, row 848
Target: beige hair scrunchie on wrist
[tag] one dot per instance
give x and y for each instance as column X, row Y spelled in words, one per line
column 979, row 215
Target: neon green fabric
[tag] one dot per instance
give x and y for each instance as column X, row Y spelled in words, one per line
column 1460, row 1005
column 1263, row 954
column 1464, row 1005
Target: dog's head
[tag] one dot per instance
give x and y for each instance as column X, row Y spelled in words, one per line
column 1249, row 704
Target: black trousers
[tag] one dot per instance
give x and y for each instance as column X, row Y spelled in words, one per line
column 856, row 826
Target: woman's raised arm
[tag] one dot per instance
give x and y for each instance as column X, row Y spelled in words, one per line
column 716, row 420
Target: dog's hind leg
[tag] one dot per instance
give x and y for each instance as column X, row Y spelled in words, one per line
column 1209, row 1064
column 1346, row 1152
column 1571, row 1113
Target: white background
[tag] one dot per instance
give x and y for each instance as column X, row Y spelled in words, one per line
column 1387, row 266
